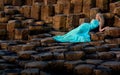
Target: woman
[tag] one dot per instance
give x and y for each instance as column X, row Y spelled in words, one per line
column 81, row 33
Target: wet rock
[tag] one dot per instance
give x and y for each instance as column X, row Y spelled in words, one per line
column 117, row 11
column 4, row 45
column 77, row 47
column 48, row 2
column 59, row 22
column 11, row 72
column 74, row 55
column 26, row 10
column 113, row 41
column 86, row 7
column 111, row 45
column 35, row 11
column 91, row 56
column 94, row 61
column 114, row 65
column 12, row 24
column 46, row 11
column 3, row 25
column 21, row 34
column 97, row 36
column 113, row 32
column 44, row 56
column 27, row 22
column 102, row 4
column 2, row 53
column 36, row 64
column 59, row 50
column 27, row 47
column 17, row 2
column 47, row 40
column 56, row 65
column 116, row 52
column 33, row 71
column 106, row 55
column 58, row 56
column 102, row 48
column 10, row 10
column 117, row 21
column 22, row 63
column 59, row 8
column 108, row 18
column 16, row 48
column 82, row 20
column 2, row 61
column 77, row 6
column 2, row 5
column 102, row 71
column 72, row 21
column 114, row 5
column 7, row 65
column 43, row 49
column 10, row 58
column 57, row 33
column 90, row 50
column 26, row 54
column 84, row 69
column 44, row 73
column 96, row 43
column 68, row 8
column 69, row 65
column 115, row 49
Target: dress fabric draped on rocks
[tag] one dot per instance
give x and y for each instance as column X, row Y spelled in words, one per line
column 79, row 34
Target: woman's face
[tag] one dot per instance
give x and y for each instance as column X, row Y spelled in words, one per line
column 97, row 16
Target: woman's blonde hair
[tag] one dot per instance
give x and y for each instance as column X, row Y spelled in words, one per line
column 101, row 18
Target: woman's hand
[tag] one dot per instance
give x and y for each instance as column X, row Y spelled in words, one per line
column 103, row 29
column 107, row 27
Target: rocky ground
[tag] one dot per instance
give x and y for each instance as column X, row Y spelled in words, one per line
column 27, row 47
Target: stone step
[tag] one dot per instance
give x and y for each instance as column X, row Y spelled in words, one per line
column 86, row 69
column 58, row 56
column 11, row 59
column 26, row 54
column 33, row 71
column 46, row 49
column 37, row 64
column 113, row 41
column 116, row 21
column 55, row 66
column 74, row 55
column 106, row 55
column 114, row 65
column 43, row 56
column 12, row 71
column 113, row 32
column 102, row 71
column 70, row 65
column 8, row 66
column 97, row 36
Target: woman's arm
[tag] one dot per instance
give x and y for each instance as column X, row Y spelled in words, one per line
column 101, row 24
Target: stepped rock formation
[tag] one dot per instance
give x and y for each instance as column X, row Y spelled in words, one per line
column 27, row 47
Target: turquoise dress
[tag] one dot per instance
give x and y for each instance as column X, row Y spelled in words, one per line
column 79, row 34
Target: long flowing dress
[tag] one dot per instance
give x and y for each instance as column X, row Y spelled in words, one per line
column 79, row 34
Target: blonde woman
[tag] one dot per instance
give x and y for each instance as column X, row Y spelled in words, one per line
column 81, row 33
